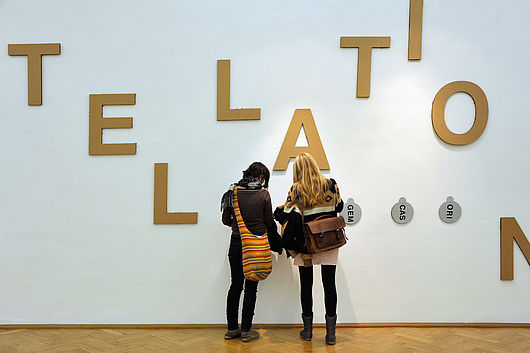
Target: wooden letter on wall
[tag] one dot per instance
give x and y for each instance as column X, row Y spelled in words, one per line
column 34, row 52
column 438, row 112
column 364, row 61
column 415, row 24
column 301, row 117
column 223, row 97
column 511, row 231
column 97, row 123
column 160, row 215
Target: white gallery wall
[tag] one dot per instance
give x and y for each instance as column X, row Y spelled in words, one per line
column 77, row 239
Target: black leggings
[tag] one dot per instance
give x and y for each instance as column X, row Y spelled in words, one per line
column 306, row 289
column 234, row 293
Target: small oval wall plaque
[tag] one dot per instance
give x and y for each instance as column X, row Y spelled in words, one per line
column 450, row 211
column 351, row 212
column 402, row 212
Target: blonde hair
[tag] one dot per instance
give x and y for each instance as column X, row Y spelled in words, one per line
column 308, row 182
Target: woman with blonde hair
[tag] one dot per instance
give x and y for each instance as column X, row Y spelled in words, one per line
column 315, row 196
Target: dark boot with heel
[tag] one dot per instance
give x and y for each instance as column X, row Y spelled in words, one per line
column 331, row 324
column 307, row 332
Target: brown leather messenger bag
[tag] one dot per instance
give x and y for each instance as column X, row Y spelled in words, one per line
column 324, row 234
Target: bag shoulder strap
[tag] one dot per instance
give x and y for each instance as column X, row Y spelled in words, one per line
column 301, row 204
column 237, row 211
column 306, row 258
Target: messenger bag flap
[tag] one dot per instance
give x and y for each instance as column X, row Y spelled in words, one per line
column 326, row 225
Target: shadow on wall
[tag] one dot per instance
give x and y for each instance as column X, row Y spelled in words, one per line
column 277, row 299
column 345, row 308
column 279, row 295
column 219, row 289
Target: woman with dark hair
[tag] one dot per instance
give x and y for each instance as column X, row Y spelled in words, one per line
column 256, row 209
column 315, row 196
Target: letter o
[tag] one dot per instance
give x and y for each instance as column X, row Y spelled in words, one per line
column 438, row 112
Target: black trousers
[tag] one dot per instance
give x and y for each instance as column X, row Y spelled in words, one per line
column 306, row 289
column 234, row 293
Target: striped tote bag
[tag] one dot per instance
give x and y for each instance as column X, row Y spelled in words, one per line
column 257, row 260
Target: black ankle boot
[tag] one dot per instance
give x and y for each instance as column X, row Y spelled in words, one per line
column 331, row 324
column 307, row 332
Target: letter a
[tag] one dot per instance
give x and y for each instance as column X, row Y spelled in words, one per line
column 301, row 118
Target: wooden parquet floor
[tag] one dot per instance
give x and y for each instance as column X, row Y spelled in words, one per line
column 436, row 340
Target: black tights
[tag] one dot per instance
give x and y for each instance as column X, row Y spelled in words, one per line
column 306, row 289
column 234, row 293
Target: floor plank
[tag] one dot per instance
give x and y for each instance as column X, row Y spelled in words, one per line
column 397, row 339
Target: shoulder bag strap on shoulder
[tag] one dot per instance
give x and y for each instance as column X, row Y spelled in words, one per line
column 301, row 204
column 237, row 211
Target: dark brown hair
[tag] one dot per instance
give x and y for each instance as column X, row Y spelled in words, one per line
column 256, row 170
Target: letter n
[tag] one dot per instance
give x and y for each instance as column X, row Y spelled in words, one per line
column 511, row 231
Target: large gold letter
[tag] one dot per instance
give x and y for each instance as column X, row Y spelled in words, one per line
column 223, row 97
column 511, row 231
column 97, row 123
column 415, row 22
column 438, row 112
column 34, row 52
column 364, row 61
column 301, row 118
column 160, row 215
